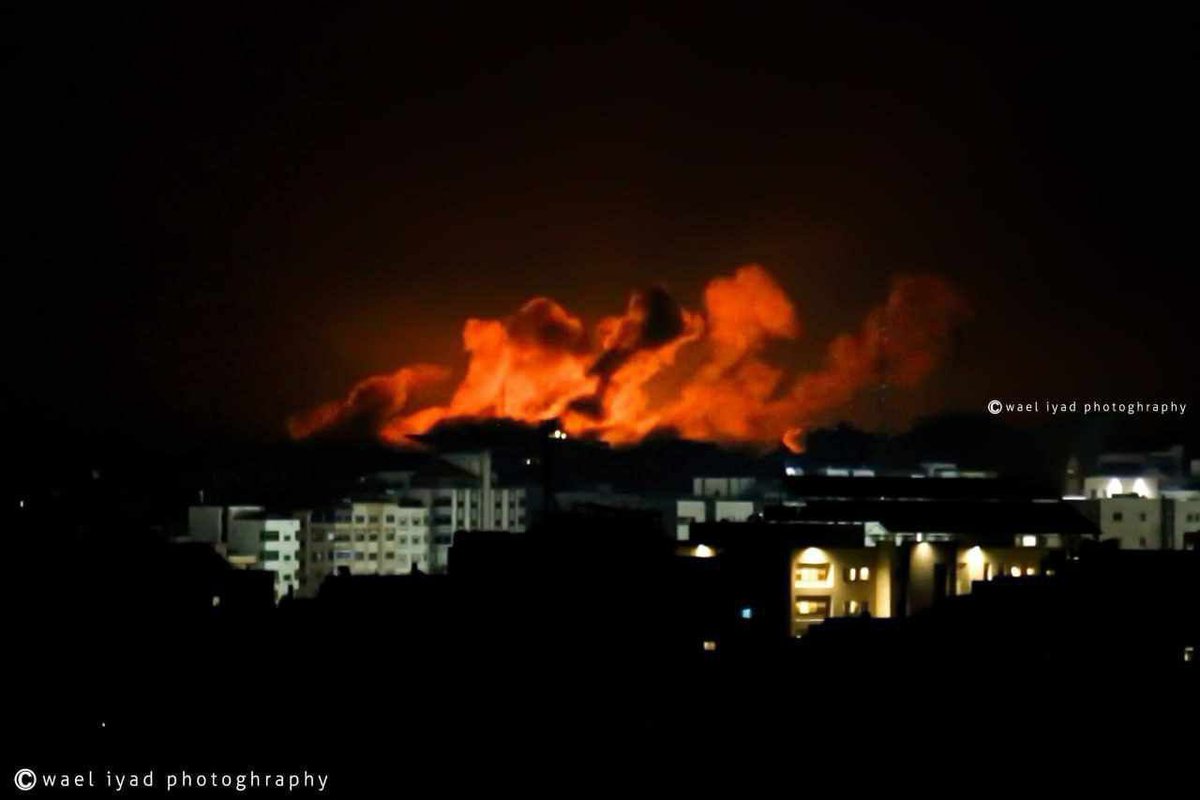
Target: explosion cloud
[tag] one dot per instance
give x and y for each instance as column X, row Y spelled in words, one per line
column 628, row 376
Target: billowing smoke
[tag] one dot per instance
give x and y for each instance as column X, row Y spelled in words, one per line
column 705, row 375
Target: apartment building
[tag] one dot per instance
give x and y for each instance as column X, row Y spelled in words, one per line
column 384, row 537
column 249, row 537
column 460, row 492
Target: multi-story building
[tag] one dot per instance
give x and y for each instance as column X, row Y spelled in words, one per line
column 718, row 500
column 383, row 537
column 1143, row 523
column 270, row 542
column 889, row 546
column 883, row 559
column 1143, row 501
column 460, row 493
column 251, row 538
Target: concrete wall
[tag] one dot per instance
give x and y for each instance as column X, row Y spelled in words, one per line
column 687, row 512
column 207, row 523
column 1179, row 517
column 274, row 544
column 1135, row 522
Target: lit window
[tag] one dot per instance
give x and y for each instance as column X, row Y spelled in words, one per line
column 864, row 574
column 811, row 608
column 1189, row 652
column 1030, row 571
column 709, row 645
column 852, row 574
column 1028, row 541
column 852, row 608
column 747, row 613
column 812, row 573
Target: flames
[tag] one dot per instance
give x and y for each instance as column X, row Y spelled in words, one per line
column 704, row 374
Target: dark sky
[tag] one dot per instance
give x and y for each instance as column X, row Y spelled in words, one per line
column 221, row 215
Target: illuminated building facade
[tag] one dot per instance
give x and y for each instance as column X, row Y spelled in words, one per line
column 1143, row 523
column 268, row 542
column 844, row 571
column 251, row 538
column 460, row 493
column 1143, row 501
column 840, row 556
column 364, row 538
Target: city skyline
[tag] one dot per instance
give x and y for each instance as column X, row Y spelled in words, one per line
column 410, row 398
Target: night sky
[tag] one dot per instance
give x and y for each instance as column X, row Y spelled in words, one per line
column 220, row 216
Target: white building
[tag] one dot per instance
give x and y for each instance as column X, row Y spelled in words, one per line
column 1143, row 523
column 1145, row 501
column 1102, row 486
column 717, row 500
column 250, row 538
column 460, row 493
column 364, row 538
column 267, row 542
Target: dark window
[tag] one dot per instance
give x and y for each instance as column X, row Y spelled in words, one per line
column 1118, row 516
column 269, row 536
column 391, row 518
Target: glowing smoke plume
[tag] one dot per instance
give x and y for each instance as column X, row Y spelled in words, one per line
column 627, row 377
